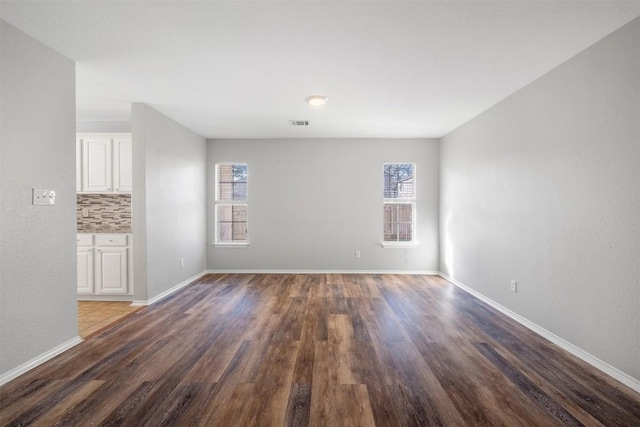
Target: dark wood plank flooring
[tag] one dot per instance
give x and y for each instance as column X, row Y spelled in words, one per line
column 319, row 350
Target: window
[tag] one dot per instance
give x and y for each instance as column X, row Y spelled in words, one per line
column 399, row 207
column 231, row 204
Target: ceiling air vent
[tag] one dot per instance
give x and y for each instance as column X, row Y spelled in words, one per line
column 299, row 122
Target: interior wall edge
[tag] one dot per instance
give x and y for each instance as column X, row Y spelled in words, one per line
column 592, row 360
column 169, row 291
column 39, row 360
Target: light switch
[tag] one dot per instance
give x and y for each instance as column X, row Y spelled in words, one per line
column 44, row 197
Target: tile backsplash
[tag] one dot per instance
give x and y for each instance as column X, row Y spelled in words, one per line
column 106, row 213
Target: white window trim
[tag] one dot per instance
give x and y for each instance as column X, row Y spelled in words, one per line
column 234, row 244
column 237, row 245
column 413, row 243
column 399, row 245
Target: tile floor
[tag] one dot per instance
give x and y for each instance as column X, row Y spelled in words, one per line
column 96, row 315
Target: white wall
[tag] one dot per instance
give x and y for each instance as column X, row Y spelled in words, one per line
column 168, row 202
column 103, row 126
column 544, row 188
column 38, row 308
column 314, row 202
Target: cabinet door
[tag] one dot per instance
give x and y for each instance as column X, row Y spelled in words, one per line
column 78, row 165
column 96, row 164
column 111, row 270
column 122, row 165
column 85, row 270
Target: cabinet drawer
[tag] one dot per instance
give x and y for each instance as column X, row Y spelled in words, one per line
column 85, row 239
column 111, row 240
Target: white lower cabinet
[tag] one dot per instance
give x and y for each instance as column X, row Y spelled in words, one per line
column 104, row 264
column 111, row 270
column 85, row 270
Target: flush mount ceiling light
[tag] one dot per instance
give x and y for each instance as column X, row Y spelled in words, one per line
column 316, row 100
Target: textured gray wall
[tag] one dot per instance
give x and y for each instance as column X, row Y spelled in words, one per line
column 104, row 126
column 169, row 202
column 314, row 202
column 38, row 310
column 544, row 188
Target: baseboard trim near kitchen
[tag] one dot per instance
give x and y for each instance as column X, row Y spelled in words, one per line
column 36, row 361
column 105, row 298
column 168, row 292
column 613, row 372
column 275, row 271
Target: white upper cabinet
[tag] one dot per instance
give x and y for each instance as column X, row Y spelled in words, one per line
column 97, row 165
column 122, row 165
column 78, row 165
column 106, row 165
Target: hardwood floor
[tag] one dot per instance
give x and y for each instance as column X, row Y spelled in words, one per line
column 319, row 350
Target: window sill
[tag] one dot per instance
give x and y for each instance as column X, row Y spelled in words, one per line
column 231, row 245
column 399, row 245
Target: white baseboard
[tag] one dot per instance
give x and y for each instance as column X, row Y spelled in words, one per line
column 168, row 292
column 77, row 340
column 613, row 372
column 29, row 365
column 105, row 297
column 268, row 271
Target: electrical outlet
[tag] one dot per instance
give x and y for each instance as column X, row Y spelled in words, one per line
column 181, row 262
column 514, row 286
column 357, row 254
column 85, row 212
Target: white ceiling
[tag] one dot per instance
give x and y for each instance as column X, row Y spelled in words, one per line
column 241, row 69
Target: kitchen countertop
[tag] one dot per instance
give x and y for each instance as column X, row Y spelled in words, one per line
column 104, row 231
